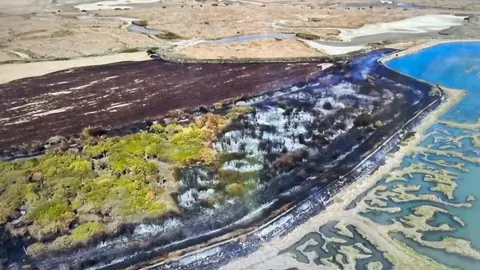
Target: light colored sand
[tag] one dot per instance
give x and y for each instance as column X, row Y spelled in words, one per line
column 332, row 50
column 274, row 49
column 10, row 72
column 421, row 46
column 413, row 25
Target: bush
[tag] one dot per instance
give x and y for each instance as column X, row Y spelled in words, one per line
column 168, row 35
column 307, row 36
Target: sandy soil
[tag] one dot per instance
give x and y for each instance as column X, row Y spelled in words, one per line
column 59, row 36
column 12, row 72
column 257, row 49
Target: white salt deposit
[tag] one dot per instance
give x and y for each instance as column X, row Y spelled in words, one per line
column 53, row 111
column 342, row 89
column 59, row 93
column 114, row 106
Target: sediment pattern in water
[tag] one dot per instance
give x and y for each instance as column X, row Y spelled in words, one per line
column 411, row 202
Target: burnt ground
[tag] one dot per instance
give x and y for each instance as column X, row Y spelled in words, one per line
column 362, row 84
column 65, row 102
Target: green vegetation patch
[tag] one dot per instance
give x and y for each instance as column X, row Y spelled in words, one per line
column 107, row 183
column 180, row 145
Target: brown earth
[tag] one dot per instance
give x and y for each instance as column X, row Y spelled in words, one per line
column 65, row 102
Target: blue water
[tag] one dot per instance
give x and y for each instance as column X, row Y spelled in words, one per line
column 454, row 65
column 448, row 64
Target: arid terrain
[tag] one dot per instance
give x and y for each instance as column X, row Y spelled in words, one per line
column 36, row 30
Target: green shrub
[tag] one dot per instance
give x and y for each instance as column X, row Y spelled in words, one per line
column 168, row 35
column 54, row 211
column 85, row 232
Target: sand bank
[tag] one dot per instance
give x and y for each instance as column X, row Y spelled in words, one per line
column 12, row 72
column 413, row 25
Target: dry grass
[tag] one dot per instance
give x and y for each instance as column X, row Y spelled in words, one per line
column 257, row 49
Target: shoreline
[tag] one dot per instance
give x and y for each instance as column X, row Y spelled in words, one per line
column 419, row 47
column 336, row 208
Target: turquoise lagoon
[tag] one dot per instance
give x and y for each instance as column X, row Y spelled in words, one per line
column 454, row 65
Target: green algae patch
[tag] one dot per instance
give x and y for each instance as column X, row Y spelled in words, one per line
column 307, row 36
column 167, row 35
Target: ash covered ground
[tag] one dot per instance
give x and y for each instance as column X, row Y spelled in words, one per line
column 120, row 94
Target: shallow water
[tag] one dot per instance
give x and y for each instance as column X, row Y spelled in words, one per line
column 454, row 65
column 223, row 41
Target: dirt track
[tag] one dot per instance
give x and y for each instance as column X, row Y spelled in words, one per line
column 65, row 102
